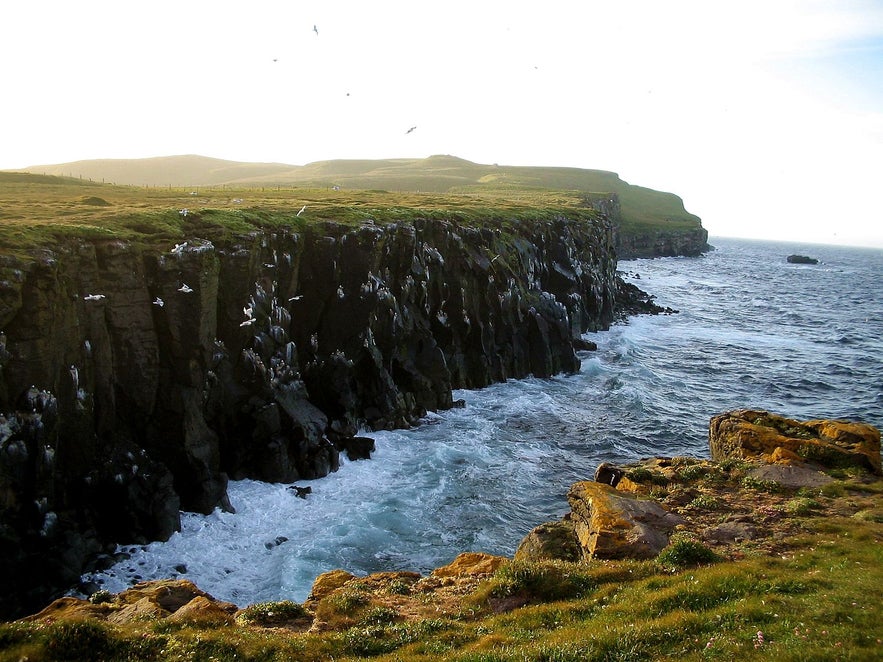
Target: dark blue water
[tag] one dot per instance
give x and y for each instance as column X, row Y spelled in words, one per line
column 752, row 331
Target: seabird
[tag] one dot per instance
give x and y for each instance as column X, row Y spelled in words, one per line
column 248, row 322
column 316, row 30
column 93, row 297
column 180, row 247
column 248, row 311
column 185, row 288
column 297, row 298
column 159, row 302
column 302, row 210
column 185, row 211
column 410, row 130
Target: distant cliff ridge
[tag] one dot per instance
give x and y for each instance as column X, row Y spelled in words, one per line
column 136, row 381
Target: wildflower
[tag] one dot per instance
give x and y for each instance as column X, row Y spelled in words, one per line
column 759, row 640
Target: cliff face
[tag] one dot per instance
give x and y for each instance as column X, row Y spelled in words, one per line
column 661, row 243
column 135, row 382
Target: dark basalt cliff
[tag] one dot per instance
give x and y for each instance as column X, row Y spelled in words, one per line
column 126, row 396
column 663, row 243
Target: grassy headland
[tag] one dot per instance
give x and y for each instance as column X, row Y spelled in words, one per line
column 345, row 189
column 39, row 210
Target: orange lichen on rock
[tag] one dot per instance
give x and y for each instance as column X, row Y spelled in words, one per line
column 615, row 525
column 752, row 434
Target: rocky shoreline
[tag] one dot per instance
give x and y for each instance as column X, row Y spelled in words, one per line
column 768, row 475
column 134, row 382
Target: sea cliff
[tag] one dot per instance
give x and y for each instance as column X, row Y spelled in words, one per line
column 135, row 380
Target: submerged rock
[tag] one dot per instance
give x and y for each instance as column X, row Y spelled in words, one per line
column 801, row 259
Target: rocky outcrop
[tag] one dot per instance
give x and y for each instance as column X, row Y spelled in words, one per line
column 610, row 524
column 663, row 243
column 801, row 259
column 135, row 381
column 747, row 433
column 633, row 511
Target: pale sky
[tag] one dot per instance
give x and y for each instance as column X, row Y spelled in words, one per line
column 765, row 116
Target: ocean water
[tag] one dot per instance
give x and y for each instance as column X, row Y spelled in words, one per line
column 752, row 332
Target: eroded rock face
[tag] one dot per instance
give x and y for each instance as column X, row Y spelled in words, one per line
column 753, row 434
column 139, row 380
column 615, row 525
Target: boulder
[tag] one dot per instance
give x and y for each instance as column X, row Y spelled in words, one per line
column 471, row 564
column 203, row 611
column 550, row 541
column 169, row 594
column 760, row 435
column 326, row 584
column 613, row 525
column 143, row 609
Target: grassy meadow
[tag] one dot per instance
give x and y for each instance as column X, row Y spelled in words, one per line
column 144, row 200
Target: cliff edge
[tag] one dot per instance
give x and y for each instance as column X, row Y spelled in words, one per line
column 136, row 380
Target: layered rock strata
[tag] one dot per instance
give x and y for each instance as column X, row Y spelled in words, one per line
column 134, row 381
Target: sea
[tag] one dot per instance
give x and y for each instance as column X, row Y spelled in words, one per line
column 752, row 331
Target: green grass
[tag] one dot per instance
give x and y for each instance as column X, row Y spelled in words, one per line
column 40, row 208
column 818, row 601
column 38, row 211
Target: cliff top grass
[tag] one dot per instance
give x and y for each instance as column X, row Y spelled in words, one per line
column 40, row 210
column 807, row 588
column 148, row 193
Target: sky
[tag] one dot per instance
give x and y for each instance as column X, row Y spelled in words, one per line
column 765, row 116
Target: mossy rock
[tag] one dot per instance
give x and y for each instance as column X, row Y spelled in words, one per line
column 550, row 541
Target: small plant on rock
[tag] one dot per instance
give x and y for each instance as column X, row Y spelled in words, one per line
column 270, row 614
column 801, row 506
column 684, row 552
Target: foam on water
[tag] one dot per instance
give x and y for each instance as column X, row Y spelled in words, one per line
column 753, row 331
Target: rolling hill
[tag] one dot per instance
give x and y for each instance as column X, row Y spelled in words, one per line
column 642, row 208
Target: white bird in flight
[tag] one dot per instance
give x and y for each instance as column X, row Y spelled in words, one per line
column 159, row 302
column 302, row 210
column 185, row 288
column 93, row 297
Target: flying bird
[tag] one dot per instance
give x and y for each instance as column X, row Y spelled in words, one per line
column 302, row 210
column 248, row 322
column 159, row 302
column 93, row 297
column 297, row 298
column 316, row 30
column 410, row 130
column 185, row 288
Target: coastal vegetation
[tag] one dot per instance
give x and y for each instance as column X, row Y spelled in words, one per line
column 223, row 196
column 804, row 589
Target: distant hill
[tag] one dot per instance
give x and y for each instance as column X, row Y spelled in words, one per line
column 642, row 208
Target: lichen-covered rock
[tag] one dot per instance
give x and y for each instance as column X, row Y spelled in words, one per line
column 613, row 525
column 470, row 564
column 550, row 541
column 760, row 435
column 203, row 611
column 326, row 583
